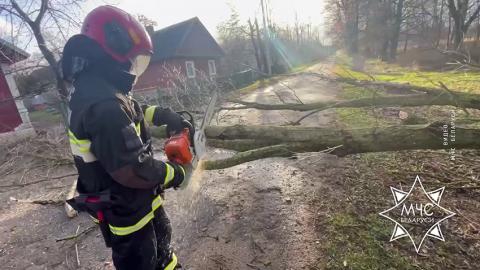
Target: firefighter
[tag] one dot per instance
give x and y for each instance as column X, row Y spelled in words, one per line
column 120, row 184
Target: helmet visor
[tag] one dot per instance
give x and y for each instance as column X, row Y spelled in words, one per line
column 139, row 64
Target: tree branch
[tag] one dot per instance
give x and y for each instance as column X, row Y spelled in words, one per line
column 472, row 17
column 42, row 11
column 21, row 13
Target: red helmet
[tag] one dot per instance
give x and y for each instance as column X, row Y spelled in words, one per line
column 120, row 35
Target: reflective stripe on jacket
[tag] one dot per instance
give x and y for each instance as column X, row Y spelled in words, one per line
column 112, row 150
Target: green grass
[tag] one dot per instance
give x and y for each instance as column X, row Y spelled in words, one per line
column 303, row 67
column 358, row 242
column 358, row 117
column 45, row 117
column 468, row 82
column 464, row 81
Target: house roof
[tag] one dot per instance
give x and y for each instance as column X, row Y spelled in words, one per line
column 10, row 53
column 168, row 42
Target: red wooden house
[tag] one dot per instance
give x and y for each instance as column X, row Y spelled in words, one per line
column 185, row 49
column 12, row 111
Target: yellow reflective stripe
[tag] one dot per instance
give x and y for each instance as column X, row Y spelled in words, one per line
column 81, row 148
column 74, row 138
column 156, row 203
column 84, row 153
column 149, row 114
column 137, row 129
column 173, row 263
column 81, row 145
column 169, row 174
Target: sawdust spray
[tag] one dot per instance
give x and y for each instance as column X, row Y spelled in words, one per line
column 195, row 179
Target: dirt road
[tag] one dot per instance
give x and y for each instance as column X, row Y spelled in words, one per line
column 313, row 212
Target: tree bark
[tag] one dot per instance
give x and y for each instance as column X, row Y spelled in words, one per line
column 405, row 45
column 449, row 34
column 440, row 25
column 351, row 13
column 277, row 141
column 458, row 12
column 261, row 45
column 396, row 30
column 255, row 44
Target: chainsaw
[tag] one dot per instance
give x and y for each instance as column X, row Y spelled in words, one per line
column 189, row 146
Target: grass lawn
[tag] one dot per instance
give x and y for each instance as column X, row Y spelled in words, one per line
column 464, row 81
column 375, row 69
column 45, row 117
column 358, row 239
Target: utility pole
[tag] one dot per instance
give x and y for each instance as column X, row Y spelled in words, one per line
column 267, row 41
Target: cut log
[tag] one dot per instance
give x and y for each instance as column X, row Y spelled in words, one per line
column 289, row 139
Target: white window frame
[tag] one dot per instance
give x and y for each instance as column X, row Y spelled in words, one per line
column 212, row 69
column 190, row 75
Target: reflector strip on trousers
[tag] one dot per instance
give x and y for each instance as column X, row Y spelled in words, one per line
column 81, row 148
column 149, row 112
column 156, row 203
column 169, row 174
column 172, row 264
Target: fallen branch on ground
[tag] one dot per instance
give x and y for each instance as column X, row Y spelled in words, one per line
column 422, row 96
column 39, row 201
column 76, row 235
column 461, row 100
column 280, row 150
column 39, row 181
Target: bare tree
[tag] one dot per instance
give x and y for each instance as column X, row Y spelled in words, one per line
column 42, row 18
column 463, row 13
column 255, row 44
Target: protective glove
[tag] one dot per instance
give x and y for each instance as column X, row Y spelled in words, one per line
column 173, row 120
column 181, row 174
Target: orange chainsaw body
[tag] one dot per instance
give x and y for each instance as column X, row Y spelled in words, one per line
column 177, row 148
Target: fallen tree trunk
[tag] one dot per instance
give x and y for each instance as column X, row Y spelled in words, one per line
column 426, row 96
column 287, row 140
column 461, row 100
column 257, row 142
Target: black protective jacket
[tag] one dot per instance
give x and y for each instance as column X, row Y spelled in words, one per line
column 112, row 150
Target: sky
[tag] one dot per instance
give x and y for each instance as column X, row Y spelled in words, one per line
column 210, row 12
column 213, row 12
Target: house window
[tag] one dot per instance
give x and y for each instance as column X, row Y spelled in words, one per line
column 211, row 67
column 190, row 65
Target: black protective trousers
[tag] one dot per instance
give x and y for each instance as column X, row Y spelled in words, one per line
column 145, row 249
